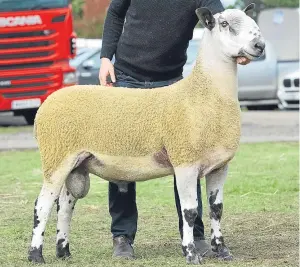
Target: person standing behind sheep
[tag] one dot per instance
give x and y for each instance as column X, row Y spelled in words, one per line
column 150, row 52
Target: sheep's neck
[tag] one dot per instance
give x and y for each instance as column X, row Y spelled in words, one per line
column 221, row 70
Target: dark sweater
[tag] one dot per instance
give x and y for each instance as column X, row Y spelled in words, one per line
column 153, row 44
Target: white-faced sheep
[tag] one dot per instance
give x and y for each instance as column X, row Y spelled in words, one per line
column 190, row 129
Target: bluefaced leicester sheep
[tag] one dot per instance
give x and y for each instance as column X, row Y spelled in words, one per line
column 190, row 129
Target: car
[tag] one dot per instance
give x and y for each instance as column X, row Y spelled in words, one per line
column 87, row 65
column 81, row 51
column 288, row 90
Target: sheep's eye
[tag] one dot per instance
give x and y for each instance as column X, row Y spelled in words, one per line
column 224, row 24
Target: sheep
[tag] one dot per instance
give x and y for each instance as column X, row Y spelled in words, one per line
column 190, row 129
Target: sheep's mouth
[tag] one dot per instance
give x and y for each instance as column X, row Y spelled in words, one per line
column 249, row 55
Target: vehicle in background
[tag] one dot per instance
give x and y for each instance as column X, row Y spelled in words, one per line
column 281, row 27
column 288, row 90
column 36, row 42
column 87, row 66
column 80, row 51
column 88, row 43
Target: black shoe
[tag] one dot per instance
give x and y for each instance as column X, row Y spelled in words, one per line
column 122, row 248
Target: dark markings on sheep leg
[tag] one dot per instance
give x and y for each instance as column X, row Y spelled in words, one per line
column 213, row 197
column 35, row 216
column 36, row 255
column 190, row 216
column 216, row 210
column 217, row 243
column 58, row 206
column 188, row 248
column 61, row 251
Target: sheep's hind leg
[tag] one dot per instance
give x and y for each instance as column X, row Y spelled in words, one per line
column 214, row 190
column 77, row 186
column 65, row 206
column 186, row 180
column 42, row 210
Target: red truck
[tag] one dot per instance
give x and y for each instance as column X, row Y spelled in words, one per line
column 36, row 42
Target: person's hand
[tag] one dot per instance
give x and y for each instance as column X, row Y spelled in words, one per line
column 242, row 60
column 106, row 69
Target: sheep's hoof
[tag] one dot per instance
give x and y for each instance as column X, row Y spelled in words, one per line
column 194, row 259
column 35, row 255
column 63, row 252
column 191, row 254
column 224, row 254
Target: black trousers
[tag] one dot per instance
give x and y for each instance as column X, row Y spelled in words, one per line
column 124, row 213
column 122, row 206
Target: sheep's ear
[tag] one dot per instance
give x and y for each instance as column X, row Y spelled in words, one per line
column 249, row 9
column 206, row 17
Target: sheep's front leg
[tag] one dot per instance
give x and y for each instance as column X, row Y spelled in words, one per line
column 186, row 180
column 214, row 189
column 65, row 206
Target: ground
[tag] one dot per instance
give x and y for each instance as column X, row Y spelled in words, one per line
column 260, row 222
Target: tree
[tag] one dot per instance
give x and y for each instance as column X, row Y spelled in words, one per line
column 263, row 4
column 281, row 3
column 77, row 7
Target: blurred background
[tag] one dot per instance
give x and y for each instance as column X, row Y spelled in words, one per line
column 47, row 45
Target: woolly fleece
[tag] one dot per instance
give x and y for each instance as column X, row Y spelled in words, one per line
column 185, row 123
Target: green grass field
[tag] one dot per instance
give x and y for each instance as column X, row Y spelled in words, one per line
column 260, row 222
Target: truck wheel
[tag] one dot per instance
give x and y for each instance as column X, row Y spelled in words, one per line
column 29, row 116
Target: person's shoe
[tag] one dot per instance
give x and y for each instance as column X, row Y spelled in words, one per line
column 204, row 248
column 122, row 248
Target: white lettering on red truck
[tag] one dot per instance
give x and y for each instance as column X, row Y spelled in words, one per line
column 20, row 21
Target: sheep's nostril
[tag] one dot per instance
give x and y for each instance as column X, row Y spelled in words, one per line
column 260, row 46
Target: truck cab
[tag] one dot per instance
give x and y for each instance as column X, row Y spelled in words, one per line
column 36, row 43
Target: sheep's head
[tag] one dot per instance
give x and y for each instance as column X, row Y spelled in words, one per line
column 234, row 32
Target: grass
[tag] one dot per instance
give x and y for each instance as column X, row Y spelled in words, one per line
column 260, row 222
